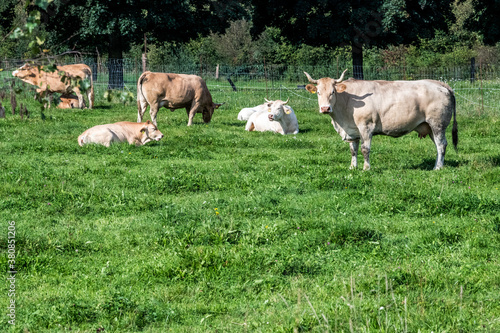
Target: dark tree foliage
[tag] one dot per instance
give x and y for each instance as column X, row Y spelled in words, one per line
column 8, row 22
column 405, row 22
column 334, row 23
column 7, row 14
column 487, row 21
column 356, row 23
column 112, row 25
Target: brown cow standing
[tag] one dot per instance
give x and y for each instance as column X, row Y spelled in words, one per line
column 51, row 82
column 124, row 131
column 174, row 91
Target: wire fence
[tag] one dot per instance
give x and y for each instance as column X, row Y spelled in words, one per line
column 476, row 87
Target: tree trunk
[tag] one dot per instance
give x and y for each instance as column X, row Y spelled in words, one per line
column 115, row 61
column 357, row 61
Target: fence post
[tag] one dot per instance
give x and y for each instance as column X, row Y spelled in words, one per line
column 231, row 82
column 13, row 101
column 265, row 77
column 144, row 62
column 481, row 80
column 217, row 72
column 144, row 55
column 2, row 111
column 472, row 69
column 94, row 69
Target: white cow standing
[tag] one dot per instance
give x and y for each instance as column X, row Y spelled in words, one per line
column 276, row 117
column 361, row 109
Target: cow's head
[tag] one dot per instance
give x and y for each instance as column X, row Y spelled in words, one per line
column 209, row 111
column 326, row 88
column 150, row 132
column 277, row 109
column 25, row 72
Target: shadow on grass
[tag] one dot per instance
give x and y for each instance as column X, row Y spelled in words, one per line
column 242, row 124
column 104, row 107
column 495, row 160
column 428, row 164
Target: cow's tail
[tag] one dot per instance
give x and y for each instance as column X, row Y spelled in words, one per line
column 454, row 131
column 140, row 97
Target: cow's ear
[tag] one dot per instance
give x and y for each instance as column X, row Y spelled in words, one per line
column 340, row 87
column 287, row 110
column 216, row 105
column 148, row 122
column 311, row 88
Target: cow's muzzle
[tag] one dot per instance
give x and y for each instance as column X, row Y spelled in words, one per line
column 325, row 109
column 271, row 117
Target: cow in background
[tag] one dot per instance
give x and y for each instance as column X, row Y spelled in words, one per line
column 63, row 80
column 174, row 91
column 276, row 117
column 68, row 101
column 361, row 109
column 245, row 113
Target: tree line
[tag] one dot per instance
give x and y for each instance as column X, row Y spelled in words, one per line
column 390, row 32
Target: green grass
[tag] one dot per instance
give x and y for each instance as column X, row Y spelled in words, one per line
column 218, row 229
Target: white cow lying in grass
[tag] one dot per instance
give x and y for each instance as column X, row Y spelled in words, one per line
column 278, row 118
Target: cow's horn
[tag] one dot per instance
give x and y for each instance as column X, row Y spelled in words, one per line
column 311, row 79
column 267, row 100
column 286, row 101
column 341, row 77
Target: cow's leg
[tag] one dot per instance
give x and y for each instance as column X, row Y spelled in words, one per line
column 192, row 112
column 366, row 142
column 354, row 145
column 153, row 110
column 90, row 96
column 250, row 126
column 365, row 149
column 439, row 139
column 80, row 99
column 142, row 105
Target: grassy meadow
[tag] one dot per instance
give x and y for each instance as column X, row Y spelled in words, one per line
column 215, row 229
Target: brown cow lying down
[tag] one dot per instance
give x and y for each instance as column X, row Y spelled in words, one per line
column 52, row 82
column 174, row 91
column 125, row 131
column 68, row 101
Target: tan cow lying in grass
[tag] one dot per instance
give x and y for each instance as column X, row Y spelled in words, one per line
column 278, row 118
column 68, row 101
column 65, row 80
column 125, row 131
